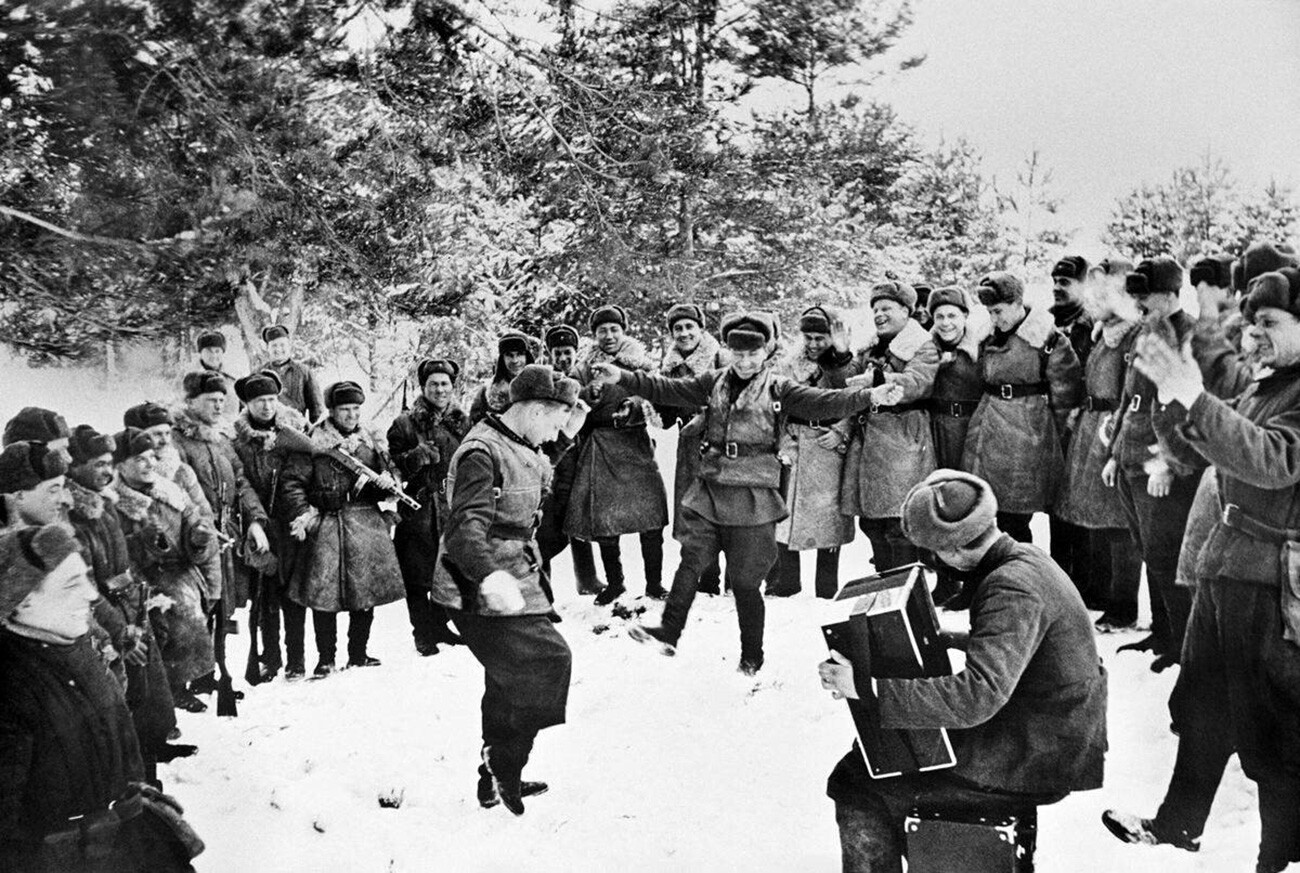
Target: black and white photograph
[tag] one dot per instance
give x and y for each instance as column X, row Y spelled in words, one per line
column 570, row 436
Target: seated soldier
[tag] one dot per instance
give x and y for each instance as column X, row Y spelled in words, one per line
column 1027, row 714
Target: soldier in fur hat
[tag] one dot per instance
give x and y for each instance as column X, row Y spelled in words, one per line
column 734, row 505
column 299, row 388
column 514, row 352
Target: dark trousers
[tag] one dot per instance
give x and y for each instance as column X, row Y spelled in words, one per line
column 295, row 629
column 785, row 575
column 427, row 618
column 1069, row 548
column 1016, row 525
column 890, row 548
column 1116, row 575
column 652, row 555
column 871, row 819
column 526, row 670
column 327, row 633
column 1238, row 690
column 1157, row 523
column 750, row 551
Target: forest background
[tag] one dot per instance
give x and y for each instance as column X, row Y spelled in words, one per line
column 392, row 178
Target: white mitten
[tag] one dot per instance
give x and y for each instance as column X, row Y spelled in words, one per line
column 500, row 592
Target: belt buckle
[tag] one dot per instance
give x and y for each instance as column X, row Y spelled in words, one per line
column 873, row 408
column 1135, row 404
column 1229, row 511
column 954, row 409
column 731, row 450
column 1006, row 391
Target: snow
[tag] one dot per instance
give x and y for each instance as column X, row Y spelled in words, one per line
column 666, row 764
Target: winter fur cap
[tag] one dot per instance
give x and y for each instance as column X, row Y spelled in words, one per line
column 24, row 465
column 609, row 314
column 1160, row 275
column 35, row 424
column 146, row 415
column 948, row 510
column 1071, row 267
column 900, row 292
column 542, row 382
column 129, row 443
column 87, row 444
column 1000, row 287
column 27, row 555
column 513, row 341
column 211, row 339
column 1216, row 271
column 815, row 319
column 923, row 291
column 558, row 335
column 746, row 331
column 1279, row 289
column 199, row 382
column 274, row 332
column 678, row 311
column 1259, row 258
column 257, row 385
column 950, row 296
column 344, row 393
column 429, row 366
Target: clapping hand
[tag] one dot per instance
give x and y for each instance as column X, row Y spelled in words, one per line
column 1174, row 371
column 839, row 335
column 889, row 394
column 604, row 374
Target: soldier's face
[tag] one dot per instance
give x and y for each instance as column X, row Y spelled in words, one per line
column 97, row 472
column 1005, row 316
column 437, row 390
column 686, row 335
column 212, row 357
column 609, row 337
column 207, row 408
column 746, row 364
column 346, row 416
column 263, row 408
column 563, row 357
column 141, row 469
column 161, row 434
column 279, row 349
column 890, row 316
column 815, row 344
column 1276, row 335
column 1154, row 307
column 514, row 361
column 1064, row 290
column 949, row 323
column 45, row 503
column 60, row 605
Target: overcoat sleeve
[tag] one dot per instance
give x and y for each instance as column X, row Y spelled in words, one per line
column 1264, row 455
column 473, row 508
column 688, row 391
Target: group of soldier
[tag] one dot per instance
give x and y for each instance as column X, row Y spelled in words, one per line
column 953, row 425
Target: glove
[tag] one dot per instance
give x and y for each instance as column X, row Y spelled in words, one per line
column 500, row 592
column 135, row 648
column 424, row 455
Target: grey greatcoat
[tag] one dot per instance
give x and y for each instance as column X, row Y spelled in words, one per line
column 955, row 397
column 1014, row 441
column 813, row 474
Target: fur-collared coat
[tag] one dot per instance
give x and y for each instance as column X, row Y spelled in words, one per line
column 955, row 385
column 210, row 451
column 617, row 488
column 422, row 442
column 706, row 356
column 813, row 475
column 347, row 561
column 491, row 397
column 1086, row 500
column 170, row 543
column 891, row 449
column 1015, row 444
column 264, row 459
column 122, row 607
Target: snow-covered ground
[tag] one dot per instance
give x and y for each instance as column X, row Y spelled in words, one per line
column 666, row 764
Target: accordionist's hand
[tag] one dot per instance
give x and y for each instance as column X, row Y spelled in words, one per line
column 837, row 676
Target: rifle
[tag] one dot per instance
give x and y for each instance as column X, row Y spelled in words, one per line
column 257, row 602
column 297, row 442
column 225, row 690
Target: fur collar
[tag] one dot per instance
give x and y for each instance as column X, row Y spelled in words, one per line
column 453, row 418
column 908, row 341
column 497, row 395
column 88, row 504
column 135, row 504
column 286, row 417
column 191, row 428
column 702, row 359
column 1037, row 326
column 327, row 436
column 632, row 355
column 1112, row 334
column 797, row 367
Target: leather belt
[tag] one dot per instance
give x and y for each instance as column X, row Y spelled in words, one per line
column 811, row 422
column 737, row 450
column 97, row 827
column 954, row 408
column 899, row 409
column 1009, row 391
column 1235, row 518
column 1100, row 404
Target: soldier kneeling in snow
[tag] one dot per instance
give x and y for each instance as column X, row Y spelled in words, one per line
column 489, row 580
